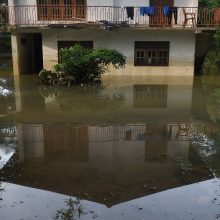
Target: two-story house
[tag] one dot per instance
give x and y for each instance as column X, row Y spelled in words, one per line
column 158, row 37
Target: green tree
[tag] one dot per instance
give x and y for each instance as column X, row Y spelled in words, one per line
column 82, row 65
column 216, row 43
column 209, row 3
column 211, row 65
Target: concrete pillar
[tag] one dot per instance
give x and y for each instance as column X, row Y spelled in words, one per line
column 14, row 45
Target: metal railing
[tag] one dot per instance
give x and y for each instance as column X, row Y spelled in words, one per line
column 32, row 15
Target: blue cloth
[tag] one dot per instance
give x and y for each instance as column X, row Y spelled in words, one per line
column 166, row 10
column 147, row 11
column 142, row 11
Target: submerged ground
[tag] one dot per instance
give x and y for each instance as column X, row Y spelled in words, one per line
column 134, row 148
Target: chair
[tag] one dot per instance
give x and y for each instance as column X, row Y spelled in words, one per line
column 189, row 16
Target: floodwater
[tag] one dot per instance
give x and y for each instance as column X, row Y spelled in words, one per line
column 144, row 148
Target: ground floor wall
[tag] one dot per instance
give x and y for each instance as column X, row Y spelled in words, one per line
column 181, row 47
column 181, row 55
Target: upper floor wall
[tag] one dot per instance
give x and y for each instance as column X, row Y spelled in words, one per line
column 116, row 3
column 180, row 14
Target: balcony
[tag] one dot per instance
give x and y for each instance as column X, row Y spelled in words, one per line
column 107, row 17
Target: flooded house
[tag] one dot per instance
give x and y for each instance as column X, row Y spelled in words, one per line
column 158, row 37
column 143, row 145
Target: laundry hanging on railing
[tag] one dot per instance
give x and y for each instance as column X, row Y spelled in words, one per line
column 166, row 10
column 170, row 12
column 150, row 11
column 173, row 12
column 130, row 12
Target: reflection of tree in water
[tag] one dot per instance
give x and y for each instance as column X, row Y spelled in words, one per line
column 7, row 103
column 7, row 97
column 206, row 141
column 8, row 134
column 211, row 87
column 83, row 98
column 1, row 190
column 72, row 211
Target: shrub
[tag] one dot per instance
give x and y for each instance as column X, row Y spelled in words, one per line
column 82, row 65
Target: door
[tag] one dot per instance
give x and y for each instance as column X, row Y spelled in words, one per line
column 80, row 10
column 159, row 19
column 61, row 9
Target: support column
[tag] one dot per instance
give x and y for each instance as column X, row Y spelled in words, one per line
column 14, row 46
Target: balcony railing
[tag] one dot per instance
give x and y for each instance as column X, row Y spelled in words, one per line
column 28, row 16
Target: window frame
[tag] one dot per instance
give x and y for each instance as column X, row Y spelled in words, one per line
column 154, row 47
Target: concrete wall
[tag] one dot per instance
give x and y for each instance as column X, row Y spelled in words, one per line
column 182, row 47
column 22, row 15
column 137, row 3
column 180, row 3
column 22, row 2
column 29, row 16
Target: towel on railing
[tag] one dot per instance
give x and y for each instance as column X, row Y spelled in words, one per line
column 147, row 11
column 166, row 10
column 130, row 12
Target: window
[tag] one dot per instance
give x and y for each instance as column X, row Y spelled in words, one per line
column 61, row 9
column 151, row 53
column 68, row 44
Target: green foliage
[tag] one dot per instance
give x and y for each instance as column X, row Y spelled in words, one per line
column 86, row 65
column 5, row 42
column 211, row 65
column 209, row 3
column 217, row 94
column 82, row 65
column 3, row 1
column 54, row 77
column 217, row 40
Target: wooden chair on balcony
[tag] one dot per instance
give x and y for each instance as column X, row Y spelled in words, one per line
column 189, row 16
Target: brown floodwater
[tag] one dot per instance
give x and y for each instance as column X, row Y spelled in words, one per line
column 132, row 148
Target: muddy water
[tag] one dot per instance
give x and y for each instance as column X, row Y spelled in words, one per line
column 133, row 148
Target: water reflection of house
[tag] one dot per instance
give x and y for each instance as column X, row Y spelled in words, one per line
column 153, row 100
column 39, row 141
column 144, row 100
column 46, row 140
column 150, row 96
column 99, row 160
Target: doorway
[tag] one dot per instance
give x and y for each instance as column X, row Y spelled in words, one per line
column 37, row 53
column 159, row 19
column 30, row 55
